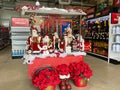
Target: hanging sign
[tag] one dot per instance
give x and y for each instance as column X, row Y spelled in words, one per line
column 20, row 22
column 114, row 18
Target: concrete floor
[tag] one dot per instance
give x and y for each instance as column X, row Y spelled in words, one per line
column 13, row 74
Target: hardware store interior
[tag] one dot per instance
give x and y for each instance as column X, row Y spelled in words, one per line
column 59, row 44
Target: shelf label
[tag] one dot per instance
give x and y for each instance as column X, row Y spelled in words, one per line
column 20, row 22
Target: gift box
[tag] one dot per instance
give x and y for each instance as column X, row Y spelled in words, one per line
column 81, row 82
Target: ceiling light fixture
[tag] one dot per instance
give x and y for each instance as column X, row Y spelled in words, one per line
column 37, row 3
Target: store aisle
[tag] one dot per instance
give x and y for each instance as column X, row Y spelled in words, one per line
column 13, row 74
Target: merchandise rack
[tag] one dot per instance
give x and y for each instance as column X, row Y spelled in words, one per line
column 114, row 41
column 19, row 35
column 4, row 37
column 98, row 37
column 112, row 45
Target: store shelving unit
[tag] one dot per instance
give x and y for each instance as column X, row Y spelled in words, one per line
column 19, row 35
column 97, row 34
column 105, row 41
column 4, row 37
column 114, row 42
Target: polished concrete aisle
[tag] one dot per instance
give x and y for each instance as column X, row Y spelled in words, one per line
column 13, row 74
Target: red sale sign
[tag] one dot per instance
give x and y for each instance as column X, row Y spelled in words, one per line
column 20, row 22
column 114, row 18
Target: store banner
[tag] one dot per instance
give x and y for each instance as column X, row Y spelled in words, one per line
column 117, row 3
column 115, row 17
column 20, row 22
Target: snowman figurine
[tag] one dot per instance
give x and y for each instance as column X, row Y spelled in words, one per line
column 45, row 50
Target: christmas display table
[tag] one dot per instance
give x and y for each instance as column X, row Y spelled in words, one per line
column 52, row 61
column 50, row 51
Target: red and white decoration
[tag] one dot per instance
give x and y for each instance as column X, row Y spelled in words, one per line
column 46, row 10
column 52, row 47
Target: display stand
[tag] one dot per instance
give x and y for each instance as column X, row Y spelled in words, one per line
column 57, row 14
column 53, row 61
column 114, row 39
column 19, row 33
column 54, row 48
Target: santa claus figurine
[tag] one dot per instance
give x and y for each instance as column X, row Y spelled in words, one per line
column 69, row 35
column 56, row 41
column 34, row 40
column 81, row 43
column 69, row 30
column 46, row 40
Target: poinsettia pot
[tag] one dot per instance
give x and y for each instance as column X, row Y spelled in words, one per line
column 81, row 82
column 51, row 87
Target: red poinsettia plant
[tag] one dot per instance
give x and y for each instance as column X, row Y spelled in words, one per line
column 45, row 78
column 80, row 70
column 63, row 69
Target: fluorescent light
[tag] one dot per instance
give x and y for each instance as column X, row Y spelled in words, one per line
column 37, row 3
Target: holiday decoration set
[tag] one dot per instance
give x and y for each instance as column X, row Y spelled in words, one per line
column 50, row 44
column 42, row 47
column 79, row 73
column 55, row 57
column 48, row 77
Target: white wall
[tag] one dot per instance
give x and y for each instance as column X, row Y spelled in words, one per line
column 6, row 15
